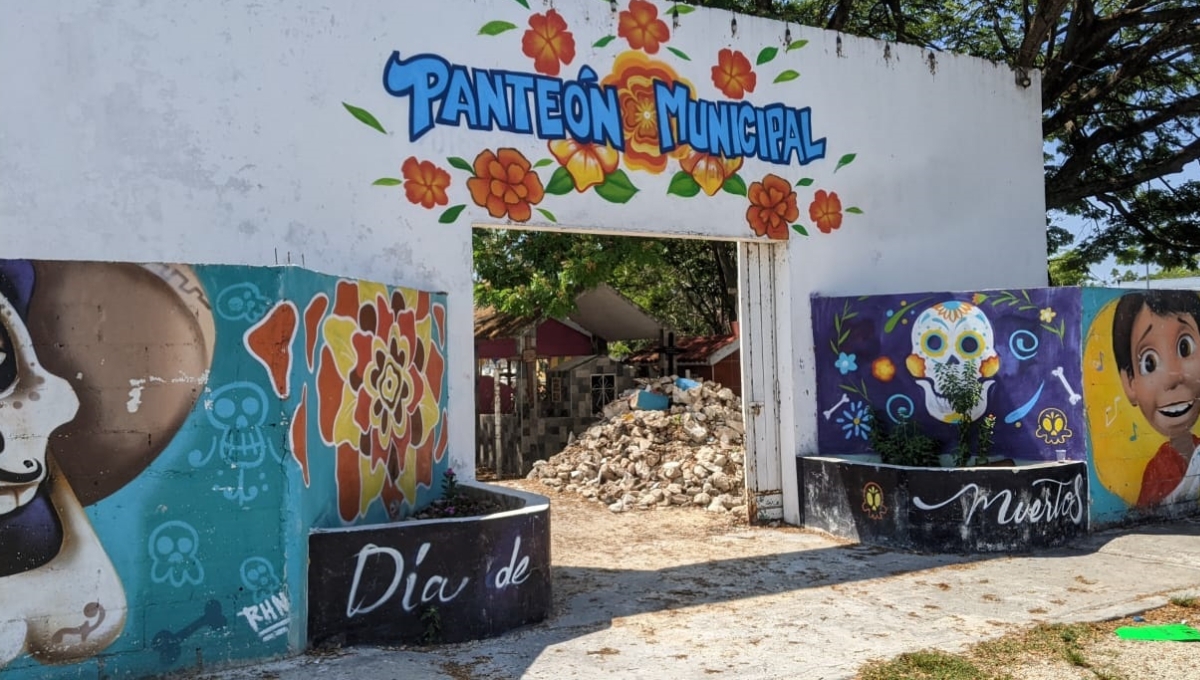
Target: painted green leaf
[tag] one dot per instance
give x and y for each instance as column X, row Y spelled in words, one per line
column 461, row 164
column 547, row 214
column 683, row 184
column 786, row 76
column 796, row 45
column 543, row 163
column 451, row 214
column 855, row 210
column 364, row 117
column 734, row 185
column 523, row 3
column 681, row 9
column 560, row 182
column 496, row 27
column 604, row 41
column 617, row 188
column 767, row 54
column 845, row 160
column 800, row 229
column 804, row 182
column 679, row 53
column 386, row 182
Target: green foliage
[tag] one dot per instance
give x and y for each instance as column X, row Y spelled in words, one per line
column 431, row 618
column 1120, row 106
column 903, row 443
column 963, row 390
column 689, row 285
column 1187, row 601
column 926, row 665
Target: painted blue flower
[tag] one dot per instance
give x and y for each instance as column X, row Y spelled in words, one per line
column 856, row 420
column 846, row 363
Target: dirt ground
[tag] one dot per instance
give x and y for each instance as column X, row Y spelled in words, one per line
column 586, row 534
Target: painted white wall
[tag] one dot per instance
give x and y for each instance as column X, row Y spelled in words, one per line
column 214, row 132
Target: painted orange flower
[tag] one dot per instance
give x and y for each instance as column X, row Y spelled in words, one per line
column 772, row 207
column 883, row 369
column 826, row 211
column 733, row 75
column 504, row 184
column 589, row 164
column 634, row 75
column 709, row 171
column 641, row 26
column 382, row 397
column 425, row 183
column 548, row 42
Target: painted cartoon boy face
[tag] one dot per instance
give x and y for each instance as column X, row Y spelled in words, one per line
column 1166, row 371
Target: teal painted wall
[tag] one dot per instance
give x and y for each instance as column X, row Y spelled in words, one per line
column 190, row 424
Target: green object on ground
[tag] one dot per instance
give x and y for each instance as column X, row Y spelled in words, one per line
column 1174, row 632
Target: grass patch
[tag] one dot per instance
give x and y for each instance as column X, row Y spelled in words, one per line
column 995, row 659
column 1186, row 601
column 925, row 665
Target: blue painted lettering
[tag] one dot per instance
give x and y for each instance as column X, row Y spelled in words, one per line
column 589, row 112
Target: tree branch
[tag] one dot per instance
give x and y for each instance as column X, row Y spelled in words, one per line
column 1068, row 192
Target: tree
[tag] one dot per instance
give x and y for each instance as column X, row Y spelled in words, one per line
column 689, row 285
column 1120, row 102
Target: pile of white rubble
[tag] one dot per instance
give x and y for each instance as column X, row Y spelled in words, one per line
column 688, row 455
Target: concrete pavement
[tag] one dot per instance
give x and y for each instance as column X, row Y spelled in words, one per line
column 800, row 606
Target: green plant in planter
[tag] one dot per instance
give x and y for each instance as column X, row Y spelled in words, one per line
column 903, row 443
column 962, row 389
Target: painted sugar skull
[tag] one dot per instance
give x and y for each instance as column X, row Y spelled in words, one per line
column 33, row 403
column 952, row 335
column 46, row 540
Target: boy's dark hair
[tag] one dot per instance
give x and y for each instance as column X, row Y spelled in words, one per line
column 1161, row 303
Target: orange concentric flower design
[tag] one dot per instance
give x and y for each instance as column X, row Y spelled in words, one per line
column 505, row 184
column 733, row 75
column 382, row 398
column 772, row 207
column 641, row 26
column 826, row 211
column 588, row 164
column 425, row 184
column 709, row 171
column 634, row 75
column 548, row 42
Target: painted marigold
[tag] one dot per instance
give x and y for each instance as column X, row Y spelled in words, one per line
column 548, row 42
column 641, row 26
column 425, row 184
column 505, row 185
column 733, row 74
column 826, row 210
column 588, row 164
column 772, row 207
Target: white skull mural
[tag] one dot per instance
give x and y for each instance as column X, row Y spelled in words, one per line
column 47, row 538
column 947, row 336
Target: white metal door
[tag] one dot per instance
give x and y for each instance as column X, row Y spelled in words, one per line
column 759, row 319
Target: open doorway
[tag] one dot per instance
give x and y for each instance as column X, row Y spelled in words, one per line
column 570, row 329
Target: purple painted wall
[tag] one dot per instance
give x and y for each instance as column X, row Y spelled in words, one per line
column 881, row 351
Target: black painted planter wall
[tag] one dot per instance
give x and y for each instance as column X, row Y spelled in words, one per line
column 447, row 580
column 955, row 510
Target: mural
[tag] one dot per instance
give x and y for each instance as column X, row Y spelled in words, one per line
column 1142, row 379
column 956, row 510
column 154, row 433
column 888, row 355
column 638, row 102
column 438, row 581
